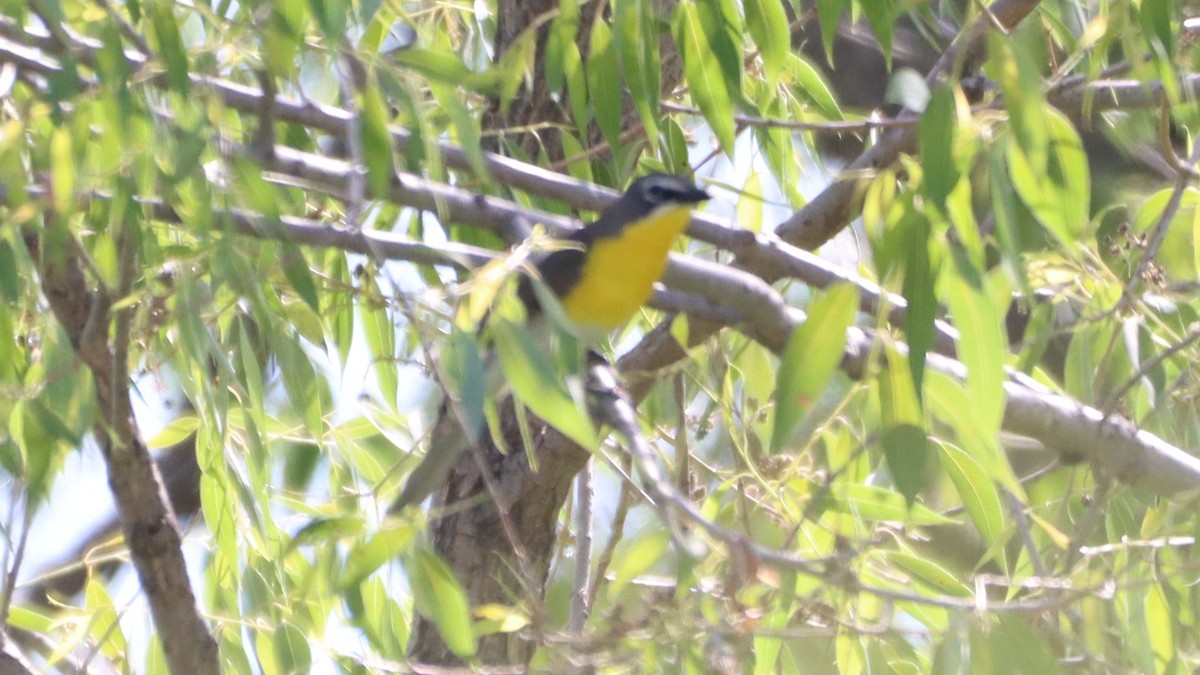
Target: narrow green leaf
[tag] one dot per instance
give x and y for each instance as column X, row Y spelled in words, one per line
column 380, row 331
column 440, row 597
column 604, row 83
column 538, row 385
column 722, row 25
column 376, row 551
column 930, row 573
column 936, row 134
column 296, row 269
column 1160, row 624
column 1156, row 19
column 877, row 504
column 376, row 141
column 769, row 27
column 918, row 290
column 465, row 375
column 977, row 491
column 881, row 14
column 704, row 76
column 642, row 555
column 982, row 344
column 290, row 645
column 62, row 170
column 104, row 622
column 749, row 214
column 10, row 286
column 301, row 382
column 170, row 46
column 1057, row 190
column 174, row 432
column 637, row 46
column 811, row 358
column 559, row 38
column 829, row 13
column 906, row 448
column 948, row 401
column 466, row 127
column 331, row 16
column 811, row 85
column 577, row 89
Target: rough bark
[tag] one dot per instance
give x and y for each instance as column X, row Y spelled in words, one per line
column 501, row 548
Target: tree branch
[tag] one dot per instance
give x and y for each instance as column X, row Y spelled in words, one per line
column 147, row 521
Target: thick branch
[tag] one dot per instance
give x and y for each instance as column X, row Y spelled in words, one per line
column 147, row 521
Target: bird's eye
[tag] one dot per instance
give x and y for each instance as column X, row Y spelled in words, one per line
column 658, row 194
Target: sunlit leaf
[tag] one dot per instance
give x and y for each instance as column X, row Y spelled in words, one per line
column 439, row 596
column 769, row 26
column 537, row 383
column 811, row 358
column 708, row 86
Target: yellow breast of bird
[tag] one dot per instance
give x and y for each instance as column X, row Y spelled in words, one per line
column 620, row 272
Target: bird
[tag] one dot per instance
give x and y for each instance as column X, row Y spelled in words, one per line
column 600, row 279
column 609, row 272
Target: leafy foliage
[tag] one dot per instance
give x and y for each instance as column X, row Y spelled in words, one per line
column 264, row 193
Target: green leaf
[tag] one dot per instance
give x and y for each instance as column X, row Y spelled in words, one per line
column 301, row 382
column 331, row 15
column 811, row 358
column 174, row 432
column 559, row 38
column 877, row 504
column 811, row 85
column 704, row 77
column 439, row 596
column 466, row 127
column 722, row 25
column 577, row 90
column 538, row 385
column 769, row 26
column 881, row 14
column 296, row 269
column 637, row 46
column 376, row 551
column 930, row 573
column 604, row 83
column 1179, row 255
column 977, row 490
column 62, row 171
column 749, row 213
column 634, row 561
column 918, row 291
column 1058, row 188
column 380, row 330
column 948, row 401
column 1160, row 624
column 104, row 622
column 1156, row 19
column 290, row 646
column 936, row 134
column 376, row 140
column 982, row 344
column 170, row 46
column 829, row 13
column 906, row 448
column 469, row 381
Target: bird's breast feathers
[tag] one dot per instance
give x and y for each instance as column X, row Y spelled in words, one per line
column 620, row 271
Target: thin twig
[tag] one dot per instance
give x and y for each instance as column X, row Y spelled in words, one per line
column 584, row 502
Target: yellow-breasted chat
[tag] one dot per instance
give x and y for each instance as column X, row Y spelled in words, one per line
column 600, row 280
